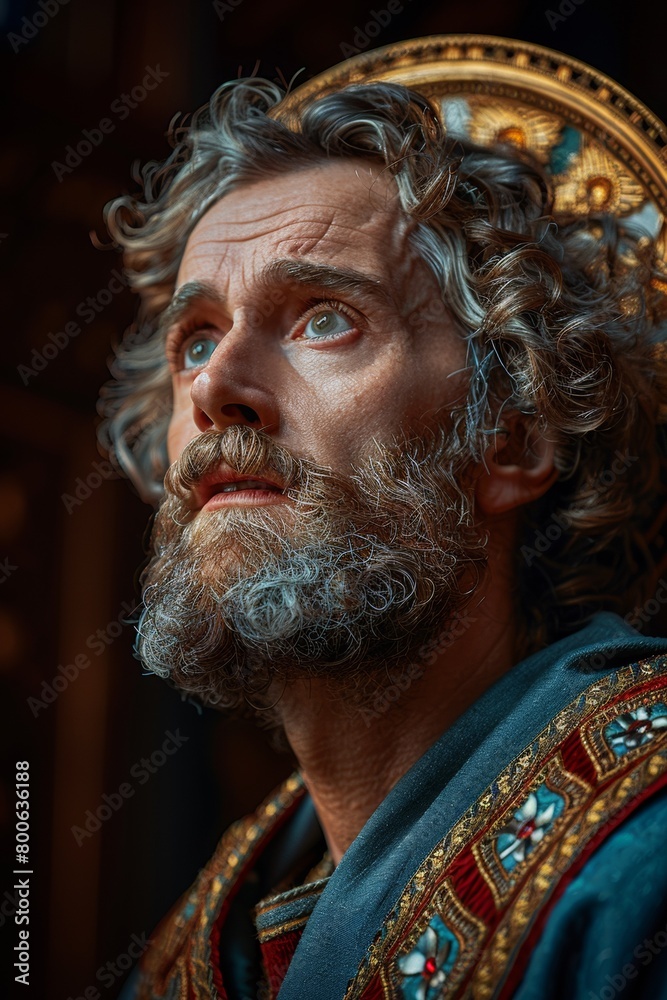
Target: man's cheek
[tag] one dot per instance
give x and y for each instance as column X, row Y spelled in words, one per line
column 182, row 428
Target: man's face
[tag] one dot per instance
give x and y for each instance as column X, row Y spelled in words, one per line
column 353, row 346
column 316, row 521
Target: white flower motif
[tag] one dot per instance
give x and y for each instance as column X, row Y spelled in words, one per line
column 526, row 829
column 636, row 728
column 426, row 961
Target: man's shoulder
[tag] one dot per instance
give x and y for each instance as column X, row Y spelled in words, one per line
column 478, row 904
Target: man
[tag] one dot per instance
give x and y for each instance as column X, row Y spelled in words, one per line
column 413, row 464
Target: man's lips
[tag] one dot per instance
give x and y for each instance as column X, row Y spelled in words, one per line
column 225, row 486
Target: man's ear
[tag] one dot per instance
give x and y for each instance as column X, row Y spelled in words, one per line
column 517, row 468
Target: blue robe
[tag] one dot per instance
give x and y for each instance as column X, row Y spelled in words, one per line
column 523, row 855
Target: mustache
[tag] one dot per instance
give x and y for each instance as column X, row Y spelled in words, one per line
column 376, row 562
column 246, row 451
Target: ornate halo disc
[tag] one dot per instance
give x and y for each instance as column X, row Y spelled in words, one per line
column 605, row 151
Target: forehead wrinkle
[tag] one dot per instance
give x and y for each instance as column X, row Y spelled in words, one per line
column 339, row 235
column 368, row 216
column 322, row 215
column 202, row 243
column 325, row 217
column 200, row 254
column 276, row 210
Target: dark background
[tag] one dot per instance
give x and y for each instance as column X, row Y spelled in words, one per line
column 70, row 561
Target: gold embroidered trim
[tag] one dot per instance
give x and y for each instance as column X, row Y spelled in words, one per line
column 468, row 930
column 592, row 736
column 574, row 793
column 493, row 966
column 289, row 925
column 302, row 892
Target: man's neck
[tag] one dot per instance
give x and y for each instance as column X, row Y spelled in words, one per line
column 352, row 757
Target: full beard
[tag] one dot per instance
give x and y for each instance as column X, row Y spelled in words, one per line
column 347, row 582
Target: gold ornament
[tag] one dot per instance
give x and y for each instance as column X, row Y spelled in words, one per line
column 594, row 182
column 492, row 122
column 605, row 150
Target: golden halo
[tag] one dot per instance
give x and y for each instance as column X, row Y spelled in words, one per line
column 605, row 151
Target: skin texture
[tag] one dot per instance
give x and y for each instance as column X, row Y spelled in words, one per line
column 315, row 397
column 252, row 355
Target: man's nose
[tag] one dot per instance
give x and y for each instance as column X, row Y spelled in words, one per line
column 231, row 389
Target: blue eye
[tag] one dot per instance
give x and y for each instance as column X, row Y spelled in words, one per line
column 198, row 352
column 326, row 323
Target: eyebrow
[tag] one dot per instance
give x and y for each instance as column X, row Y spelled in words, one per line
column 343, row 280
column 279, row 273
column 193, row 293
